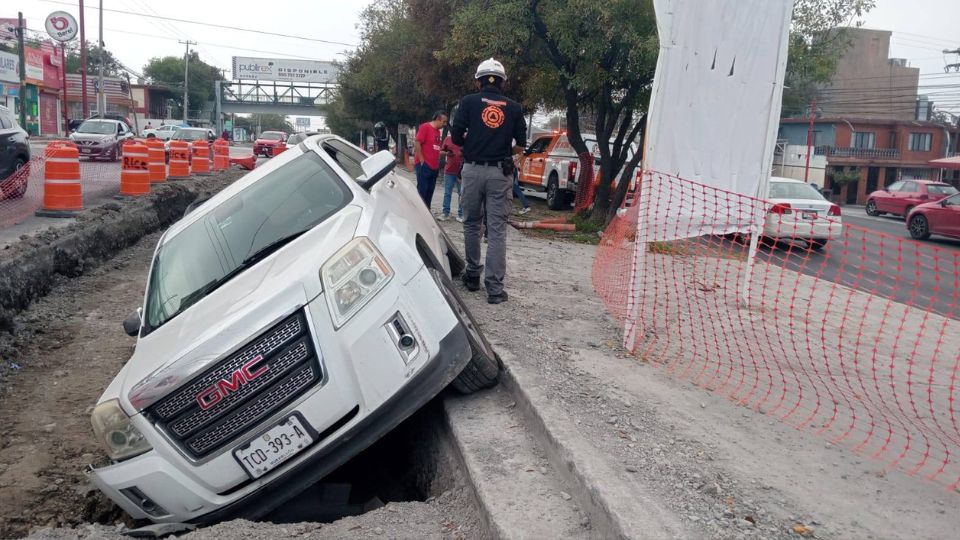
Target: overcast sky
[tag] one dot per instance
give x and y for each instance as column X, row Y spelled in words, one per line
column 922, row 29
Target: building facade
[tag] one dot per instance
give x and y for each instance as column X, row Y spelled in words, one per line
column 881, row 151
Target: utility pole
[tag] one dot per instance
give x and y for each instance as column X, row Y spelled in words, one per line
column 186, row 73
column 813, row 115
column 955, row 67
column 83, row 65
column 23, row 72
column 101, row 97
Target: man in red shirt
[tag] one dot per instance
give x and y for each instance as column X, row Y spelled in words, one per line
column 426, row 153
column 451, row 177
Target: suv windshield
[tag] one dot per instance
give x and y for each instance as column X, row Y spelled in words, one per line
column 271, row 135
column 941, row 189
column 790, row 190
column 240, row 231
column 190, row 135
column 98, row 127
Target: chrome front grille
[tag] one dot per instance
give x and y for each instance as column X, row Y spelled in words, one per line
column 221, row 403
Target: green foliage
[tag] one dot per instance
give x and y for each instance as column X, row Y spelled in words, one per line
column 842, row 176
column 817, row 41
column 266, row 122
column 169, row 72
column 111, row 66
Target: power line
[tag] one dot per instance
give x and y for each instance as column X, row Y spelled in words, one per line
column 212, row 25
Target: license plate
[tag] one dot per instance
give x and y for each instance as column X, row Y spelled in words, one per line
column 808, row 215
column 278, row 444
column 85, row 150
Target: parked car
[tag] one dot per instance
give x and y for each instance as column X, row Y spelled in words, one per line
column 297, row 138
column 268, row 142
column 902, row 196
column 163, row 132
column 75, row 124
column 288, row 322
column 189, row 135
column 799, row 212
column 101, row 139
column 14, row 156
column 941, row 218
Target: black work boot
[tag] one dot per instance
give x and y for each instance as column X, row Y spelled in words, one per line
column 471, row 282
column 497, row 298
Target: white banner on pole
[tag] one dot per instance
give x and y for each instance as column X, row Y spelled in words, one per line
column 713, row 117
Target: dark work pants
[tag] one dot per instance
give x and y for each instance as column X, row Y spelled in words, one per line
column 426, row 182
column 486, row 189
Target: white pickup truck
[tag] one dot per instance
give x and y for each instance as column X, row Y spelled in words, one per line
column 288, row 323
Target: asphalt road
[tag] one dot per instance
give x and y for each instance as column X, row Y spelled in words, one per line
column 877, row 255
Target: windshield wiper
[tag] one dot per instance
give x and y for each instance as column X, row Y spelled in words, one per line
column 271, row 247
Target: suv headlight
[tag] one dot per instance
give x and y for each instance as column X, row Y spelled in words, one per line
column 113, row 428
column 353, row 276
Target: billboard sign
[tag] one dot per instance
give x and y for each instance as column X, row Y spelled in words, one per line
column 303, row 121
column 283, row 70
column 34, row 62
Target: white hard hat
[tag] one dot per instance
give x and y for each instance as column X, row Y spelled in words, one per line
column 491, row 67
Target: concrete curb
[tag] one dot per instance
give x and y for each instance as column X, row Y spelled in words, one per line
column 617, row 508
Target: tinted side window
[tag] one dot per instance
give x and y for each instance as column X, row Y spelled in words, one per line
column 5, row 120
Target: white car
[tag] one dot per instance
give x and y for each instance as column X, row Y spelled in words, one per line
column 288, row 323
column 799, row 212
column 163, row 132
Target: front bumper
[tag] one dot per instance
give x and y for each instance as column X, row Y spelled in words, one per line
column 368, row 389
column 95, row 151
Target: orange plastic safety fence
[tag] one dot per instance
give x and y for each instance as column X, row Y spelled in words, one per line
column 838, row 329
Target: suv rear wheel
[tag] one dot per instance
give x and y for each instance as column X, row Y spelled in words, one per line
column 483, row 370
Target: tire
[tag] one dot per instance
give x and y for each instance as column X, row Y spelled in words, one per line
column 555, row 198
column 871, row 208
column 114, row 154
column 919, row 227
column 816, row 245
column 483, row 370
column 21, row 189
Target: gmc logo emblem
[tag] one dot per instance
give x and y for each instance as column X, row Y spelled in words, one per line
column 219, row 390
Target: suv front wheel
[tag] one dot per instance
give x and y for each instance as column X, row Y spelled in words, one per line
column 483, row 371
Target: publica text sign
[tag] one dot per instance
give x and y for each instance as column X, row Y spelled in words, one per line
column 285, row 70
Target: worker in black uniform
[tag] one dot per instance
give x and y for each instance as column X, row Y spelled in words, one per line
column 490, row 127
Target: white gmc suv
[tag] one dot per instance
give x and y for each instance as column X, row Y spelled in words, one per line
column 288, row 323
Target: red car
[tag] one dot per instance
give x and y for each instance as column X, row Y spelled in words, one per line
column 901, row 197
column 941, row 217
column 270, row 143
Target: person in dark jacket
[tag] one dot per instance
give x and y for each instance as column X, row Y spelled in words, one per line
column 491, row 128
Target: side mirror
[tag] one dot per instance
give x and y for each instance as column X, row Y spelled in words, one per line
column 527, row 151
column 131, row 325
column 376, row 167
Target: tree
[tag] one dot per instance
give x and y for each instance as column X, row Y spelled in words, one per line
column 111, row 66
column 169, row 72
column 817, row 41
column 586, row 57
column 264, row 122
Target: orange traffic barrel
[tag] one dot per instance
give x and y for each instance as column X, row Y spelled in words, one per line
column 135, row 175
column 201, row 158
column 221, row 155
column 61, row 181
column 157, row 160
column 179, row 160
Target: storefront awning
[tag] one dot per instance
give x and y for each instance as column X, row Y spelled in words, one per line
column 946, row 163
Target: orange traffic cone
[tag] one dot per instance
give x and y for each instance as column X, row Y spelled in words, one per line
column 61, row 181
column 201, row 158
column 157, row 161
column 135, row 176
column 179, row 160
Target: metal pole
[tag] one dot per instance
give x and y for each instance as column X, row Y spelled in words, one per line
column 186, row 75
column 217, row 105
column 83, row 65
column 813, row 115
column 133, row 105
column 101, row 97
column 23, row 72
column 66, row 102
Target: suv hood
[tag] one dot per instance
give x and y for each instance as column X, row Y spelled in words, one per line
column 268, row 142
column 231, row 316
column 92, row 137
